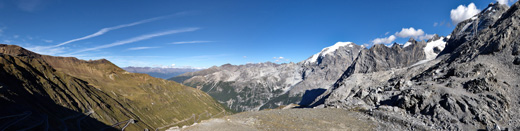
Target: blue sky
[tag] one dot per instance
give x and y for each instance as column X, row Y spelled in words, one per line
column 205, row 33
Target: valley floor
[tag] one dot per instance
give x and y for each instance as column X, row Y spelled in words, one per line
column 292, row 119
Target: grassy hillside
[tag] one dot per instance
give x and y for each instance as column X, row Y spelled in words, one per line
column 113, row 94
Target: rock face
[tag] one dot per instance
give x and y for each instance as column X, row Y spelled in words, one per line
column 39, row 92
column 381, row 57
column 466, row 29
column 268, row 85
column 324, row 68
column 474, row 86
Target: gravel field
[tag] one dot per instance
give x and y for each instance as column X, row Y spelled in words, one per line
column 291, row 119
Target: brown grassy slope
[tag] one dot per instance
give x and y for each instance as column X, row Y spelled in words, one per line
column 155, row 102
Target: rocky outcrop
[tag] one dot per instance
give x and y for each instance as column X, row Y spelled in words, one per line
column 473, row 87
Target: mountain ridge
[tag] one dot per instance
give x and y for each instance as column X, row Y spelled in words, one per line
column 307, row 78
column 119, row 95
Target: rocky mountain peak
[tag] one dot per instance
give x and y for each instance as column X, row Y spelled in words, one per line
column 411, row 39
column 16, row 51
column 434, row 38
column 469, row 28
column 316, row 58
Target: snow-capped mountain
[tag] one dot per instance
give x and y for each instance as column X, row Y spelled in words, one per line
column 269, row 85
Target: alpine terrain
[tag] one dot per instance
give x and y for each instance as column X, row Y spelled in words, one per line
column 471, row 84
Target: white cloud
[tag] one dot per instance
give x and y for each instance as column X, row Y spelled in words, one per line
column 16, row 36
column 280, row 59
column 136, row 39
column 190, row 42
column 244, row 57
column 165, row 66
column 409, row 32
column 141, row 48
column 386, row 40
column 7, row 41
column 463, row 12
column 105, row 30
column 404, row 33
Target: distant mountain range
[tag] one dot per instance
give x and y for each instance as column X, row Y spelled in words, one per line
column 40, row 92
column 160, row 72
column 269, row 85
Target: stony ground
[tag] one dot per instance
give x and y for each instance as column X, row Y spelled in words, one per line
column 292, row 119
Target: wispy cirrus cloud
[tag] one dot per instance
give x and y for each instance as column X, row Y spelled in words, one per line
column 46, row 50
column 141, row 48
column 190, row 42
column 136, row 39
column 105, row 30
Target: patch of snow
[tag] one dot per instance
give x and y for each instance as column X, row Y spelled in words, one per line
column 407, row 44
column 420, row 62
column 464, row 28
column 428, row 50
column 335, row 47
column 328, row 50
column 314, row 58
